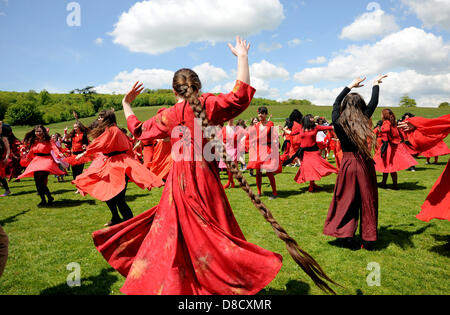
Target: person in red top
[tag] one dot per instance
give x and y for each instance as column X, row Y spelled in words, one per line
column 392, row 156
column 424, row 133
column 293, row 129
column 78, row 139
column 41, row 161
column 263, row 151
column 190, row 243
column 107, row 181
column 312, row 165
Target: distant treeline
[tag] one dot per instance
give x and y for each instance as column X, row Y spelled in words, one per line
column 31, row 108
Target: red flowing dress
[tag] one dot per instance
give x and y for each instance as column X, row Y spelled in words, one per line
column 105, row 178
column 261, row 141
column 190, row 243
column 396, row 158
column 78, row 141
column 440, row 149
column 428, row 132
column 162, row 158
column 41, row 159
column 312, row 165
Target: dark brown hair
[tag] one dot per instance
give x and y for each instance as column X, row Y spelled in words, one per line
column 356, row 125
column 187, row 85
column 390, row 116
column 30, row 137
column 109, row 120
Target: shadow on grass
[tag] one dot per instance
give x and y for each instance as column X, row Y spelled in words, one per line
column 293, row 287
column 443, row 249
column 67, row 203
column 329, row 188
column 135, row 196
column 33, row 191
column 13, row 218
column 411, row 186
column 94, row 285
column 401, row 238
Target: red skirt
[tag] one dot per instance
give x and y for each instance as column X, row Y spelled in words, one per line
column 161, row 163
column 313, row 167
column 73, row 161
column 438, row 150
column 437, row 204
column 105, row 177
column 395, row 159
column 189, row 244
column 42, row 164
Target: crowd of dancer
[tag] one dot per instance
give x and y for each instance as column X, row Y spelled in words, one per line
column 191, row 243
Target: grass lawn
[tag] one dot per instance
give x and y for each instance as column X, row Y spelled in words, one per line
column 413, row 256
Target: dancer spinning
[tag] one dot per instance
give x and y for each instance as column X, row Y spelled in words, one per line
column 263, row 151
column 107, row 181
column 392, row 156
column 191, row 243
column 424, row 133
column 40, row 161
column 356, row 185
column 312, row 165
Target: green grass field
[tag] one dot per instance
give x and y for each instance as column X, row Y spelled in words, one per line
column 413, row 256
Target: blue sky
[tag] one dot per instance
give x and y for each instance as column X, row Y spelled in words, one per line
column 300, row 49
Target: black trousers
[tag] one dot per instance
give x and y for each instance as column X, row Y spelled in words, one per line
column 77, row 170
column 4, row 183
column 119, row 202
column 40, row 179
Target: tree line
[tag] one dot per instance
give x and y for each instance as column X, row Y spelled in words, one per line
column 31, row 108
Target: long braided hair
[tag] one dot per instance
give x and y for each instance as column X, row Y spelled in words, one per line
column 187, row 85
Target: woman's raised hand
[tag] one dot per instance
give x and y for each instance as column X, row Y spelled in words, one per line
column 357, row 83
column 133, row 93
column 380, row 79
column 241, row 48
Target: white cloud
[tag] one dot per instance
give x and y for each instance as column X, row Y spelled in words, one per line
column 318, row 96
column 266, row 71
column 294, row 42
column 370, row 25
column 427, row 90
column 410, row 48
column 158, row 26
column 431, row 12
column 318, row 60
column 99, row 41
column 209, row 74
column 152, row 79
column 269, row 47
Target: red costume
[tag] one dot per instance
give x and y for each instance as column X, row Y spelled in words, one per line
column 261, row 156
column 103, row 181
column 439, row 149
column 313, row 166
column 161, row 162
column 79, row 142
column 41, row 160
column 428, row 132
column 396, row 157
column 190, row 243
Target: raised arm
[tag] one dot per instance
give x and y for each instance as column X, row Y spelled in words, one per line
column 375, row 96
column 240, row 50
column 130, row 97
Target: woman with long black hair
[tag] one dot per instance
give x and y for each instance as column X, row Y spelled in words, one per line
column 356, row 193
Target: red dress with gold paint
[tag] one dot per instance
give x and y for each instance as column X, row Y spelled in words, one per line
column 190, row 243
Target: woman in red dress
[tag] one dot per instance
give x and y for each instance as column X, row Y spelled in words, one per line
column 263, row 151
column 78, row 141
column 107, row 181
column 392, row 156
column 41, row 162
column 293, row 129
column 191, row 243
column 439, row 149
column 312, row 165
column 424, row 133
